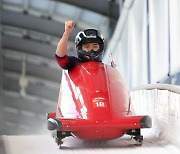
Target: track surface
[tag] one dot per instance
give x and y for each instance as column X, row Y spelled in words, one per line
column 45, row 144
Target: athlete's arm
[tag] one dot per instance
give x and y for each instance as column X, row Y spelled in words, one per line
column 62, row 45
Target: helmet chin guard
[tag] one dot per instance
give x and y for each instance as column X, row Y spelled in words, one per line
column 89, row 36
column 91, row 55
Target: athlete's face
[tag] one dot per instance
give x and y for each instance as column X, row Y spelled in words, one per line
column 90, row 46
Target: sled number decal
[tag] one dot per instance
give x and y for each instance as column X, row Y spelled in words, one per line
column 99, row 103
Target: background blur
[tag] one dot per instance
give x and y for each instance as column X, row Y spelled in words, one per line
column 142, row 37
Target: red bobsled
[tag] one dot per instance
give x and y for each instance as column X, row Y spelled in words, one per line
column 94, row 104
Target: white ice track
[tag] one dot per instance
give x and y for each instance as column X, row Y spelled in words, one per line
column 162, row 138
column 46, row 145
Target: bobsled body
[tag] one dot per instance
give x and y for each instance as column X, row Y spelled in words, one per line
column 94, row 104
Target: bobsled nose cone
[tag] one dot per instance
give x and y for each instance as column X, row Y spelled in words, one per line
column 54, row 124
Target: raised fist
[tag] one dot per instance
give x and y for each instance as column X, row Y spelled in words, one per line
column 69, row 25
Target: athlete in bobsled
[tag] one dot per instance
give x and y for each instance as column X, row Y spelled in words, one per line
column 93, row 102
column 89, row 47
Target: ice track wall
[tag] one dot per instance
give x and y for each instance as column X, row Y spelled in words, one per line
column 162, row 103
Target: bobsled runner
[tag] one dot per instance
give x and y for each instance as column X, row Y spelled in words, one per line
column 94, row 104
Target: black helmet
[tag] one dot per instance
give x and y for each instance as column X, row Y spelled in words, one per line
column 89, row 36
